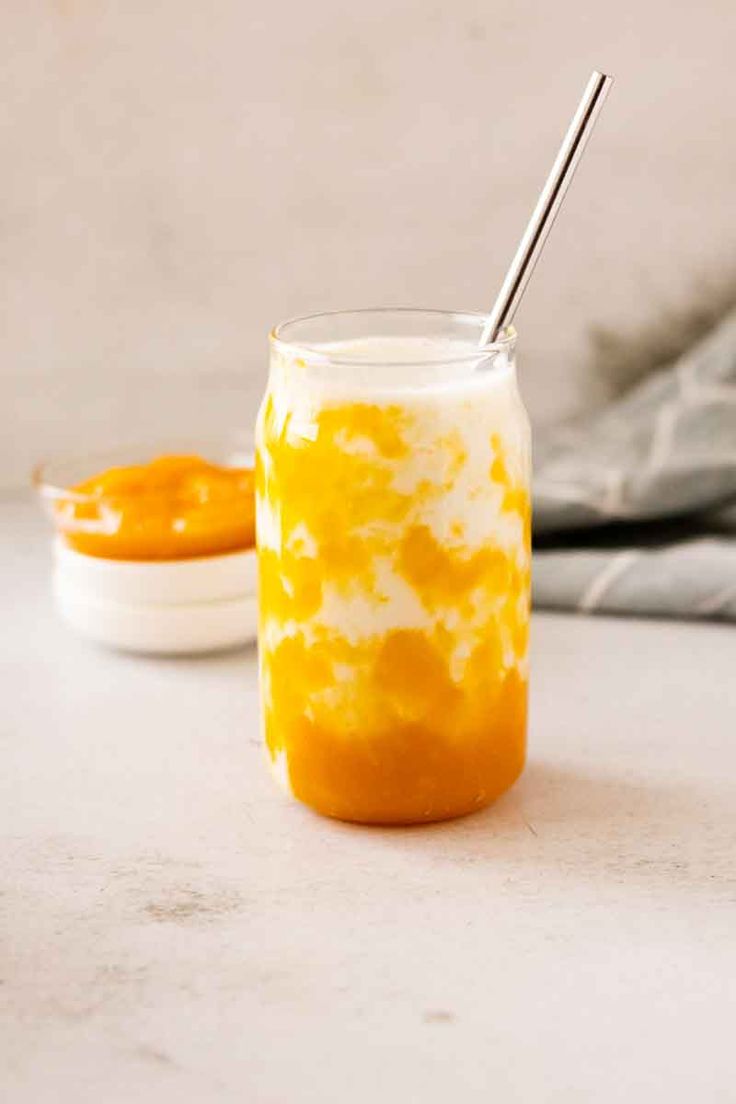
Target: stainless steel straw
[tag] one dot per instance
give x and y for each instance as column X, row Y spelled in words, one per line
column 548, row 205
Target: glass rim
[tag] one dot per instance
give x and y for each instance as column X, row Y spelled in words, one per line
column 310, row 352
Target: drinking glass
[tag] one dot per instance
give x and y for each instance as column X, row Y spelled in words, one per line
column 393, row 529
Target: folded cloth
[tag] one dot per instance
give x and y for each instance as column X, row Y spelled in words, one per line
column 634, row 508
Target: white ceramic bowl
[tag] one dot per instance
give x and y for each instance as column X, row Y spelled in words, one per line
column 198, row 604
column 185, row 629
column 161, row 582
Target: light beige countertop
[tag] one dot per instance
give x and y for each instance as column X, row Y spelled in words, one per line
column 174, row 929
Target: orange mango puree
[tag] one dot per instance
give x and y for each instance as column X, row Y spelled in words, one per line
column 175, row 507
column 393, row 660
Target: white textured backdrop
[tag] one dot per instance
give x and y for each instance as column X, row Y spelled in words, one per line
column 178, row 175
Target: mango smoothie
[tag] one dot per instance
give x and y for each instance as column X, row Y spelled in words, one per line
column 393, row 531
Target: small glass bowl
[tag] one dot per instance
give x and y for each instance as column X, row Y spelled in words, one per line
column 117, row 525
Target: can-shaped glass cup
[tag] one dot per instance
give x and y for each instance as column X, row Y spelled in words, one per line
column 393, row 531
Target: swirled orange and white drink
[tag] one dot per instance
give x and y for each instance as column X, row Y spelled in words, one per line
column 392, row 483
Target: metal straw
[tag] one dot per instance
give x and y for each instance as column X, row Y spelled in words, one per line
column 548, row 205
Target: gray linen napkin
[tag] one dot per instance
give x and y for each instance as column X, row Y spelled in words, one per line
column 634, row 508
